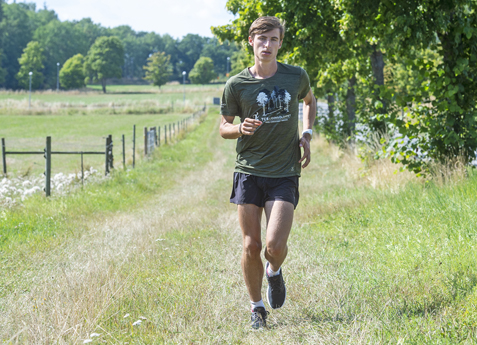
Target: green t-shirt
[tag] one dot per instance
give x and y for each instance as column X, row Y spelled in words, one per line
column 273, row 150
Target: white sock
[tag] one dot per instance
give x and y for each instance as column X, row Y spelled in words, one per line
column 257, row 304
column 272, row 273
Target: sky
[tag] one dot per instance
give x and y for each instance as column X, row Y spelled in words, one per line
column 174, row 17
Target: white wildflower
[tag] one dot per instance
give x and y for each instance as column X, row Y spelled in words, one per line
column 125, row 316
column 92, row 335
column 137, row 323
column 86, row 341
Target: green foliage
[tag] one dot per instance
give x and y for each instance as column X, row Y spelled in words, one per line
column 16, row 35
column 22, row 23
column 71, row 74
column 104, row 60
column 240, row 60
column 203, row 71
column 219, row 52
column 158, row 68
column 31, row 61
column 60, row 41
column 190, row 49
column 428, row 98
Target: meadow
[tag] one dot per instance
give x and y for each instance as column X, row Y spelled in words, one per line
column 152, row 256
column 117, row 96
column 96, row 116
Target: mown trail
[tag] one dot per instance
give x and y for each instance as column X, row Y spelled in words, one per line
column 173, row 263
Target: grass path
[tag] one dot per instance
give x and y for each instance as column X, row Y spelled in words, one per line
column 173, row 263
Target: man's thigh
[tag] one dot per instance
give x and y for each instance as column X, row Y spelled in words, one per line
column 279, row 221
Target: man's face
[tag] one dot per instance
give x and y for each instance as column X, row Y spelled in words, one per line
column 266, row 45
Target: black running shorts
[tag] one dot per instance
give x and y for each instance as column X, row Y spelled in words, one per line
column 250, row 189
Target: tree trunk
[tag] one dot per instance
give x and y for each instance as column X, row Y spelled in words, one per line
column 351, row 105
column 377, row 64
column 103, row 84
column 331, row 104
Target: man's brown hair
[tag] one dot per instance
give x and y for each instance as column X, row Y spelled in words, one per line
column 266, row 24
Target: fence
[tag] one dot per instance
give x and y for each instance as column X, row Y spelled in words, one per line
column 152, row 139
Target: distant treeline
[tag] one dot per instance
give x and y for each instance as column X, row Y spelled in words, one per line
column 22, row 23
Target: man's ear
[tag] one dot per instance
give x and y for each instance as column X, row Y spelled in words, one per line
column 250, row 40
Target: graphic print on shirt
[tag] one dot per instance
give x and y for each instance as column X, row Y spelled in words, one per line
column 274, row 105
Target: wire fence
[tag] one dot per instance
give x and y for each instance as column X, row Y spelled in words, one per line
column 152, row 140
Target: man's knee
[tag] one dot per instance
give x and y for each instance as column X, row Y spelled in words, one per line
column 276, row 250
column 252, row 247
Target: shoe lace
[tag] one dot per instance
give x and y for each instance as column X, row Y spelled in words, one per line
column 260, row 313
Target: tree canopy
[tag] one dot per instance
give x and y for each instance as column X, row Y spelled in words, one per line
column 203, row 71
column 104, row 60
column 31, row 61
column 72, row 74
column 158, row 68
column 360, row 54
column 22, row 22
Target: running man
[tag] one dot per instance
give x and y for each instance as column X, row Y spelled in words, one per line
column 265, row 97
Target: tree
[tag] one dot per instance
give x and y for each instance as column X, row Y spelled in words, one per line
column 104, row 60
column 31, row 61
column 90, row 30
column 203, row 71
column 158, row 68
column 240, row 60
column 188, row 51
column 16, row 34
column 219, row 52
column 439, row 116
column 60, row 41
column 71, row 74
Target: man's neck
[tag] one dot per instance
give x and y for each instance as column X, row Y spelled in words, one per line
column 263, row 70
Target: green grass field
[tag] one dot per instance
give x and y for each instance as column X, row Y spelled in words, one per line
column 79, row 121
column 75, row 133
column 117, row 95
column 374, row 257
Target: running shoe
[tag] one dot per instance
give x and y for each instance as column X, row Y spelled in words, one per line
column 259, row 318
column 277, row 292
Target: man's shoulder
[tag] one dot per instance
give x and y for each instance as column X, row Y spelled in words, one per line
column 238, row 78
column 290, row 69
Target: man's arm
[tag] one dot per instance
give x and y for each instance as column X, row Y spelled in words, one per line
column 309, row 114
column 230, row 131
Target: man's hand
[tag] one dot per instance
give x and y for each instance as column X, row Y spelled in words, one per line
column 305, row 143
column 249, row 126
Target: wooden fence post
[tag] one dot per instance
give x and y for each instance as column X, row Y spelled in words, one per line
column 106, row 157
column 134, row 146
column 110, row 152
column 159, row 136
column 4, row 157
column 165, row 135
column 48, row 167
column 145, row 141
column 124, row 153
column 174, row 128
column 170, row 133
